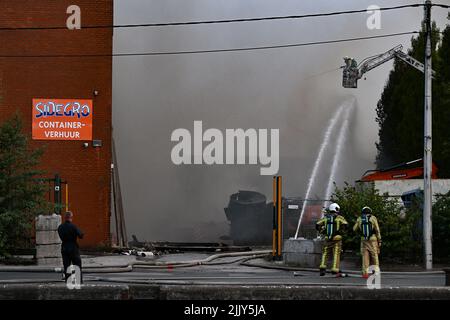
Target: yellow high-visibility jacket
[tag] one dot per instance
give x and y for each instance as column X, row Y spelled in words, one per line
column 340, row 224
column 376, row 233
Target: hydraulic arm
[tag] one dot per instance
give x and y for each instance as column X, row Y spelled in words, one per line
column 353, row 72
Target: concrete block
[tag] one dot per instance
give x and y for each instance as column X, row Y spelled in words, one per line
column 302, row 246
column 47, row 222
column 48, row 251
column 302, row 252
column 308, row 260
column 47, row 237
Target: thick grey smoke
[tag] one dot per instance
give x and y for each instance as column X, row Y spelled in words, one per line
column 281, row 88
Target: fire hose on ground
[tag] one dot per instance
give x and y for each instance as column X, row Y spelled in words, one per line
column 243, row 258
column 143, row 264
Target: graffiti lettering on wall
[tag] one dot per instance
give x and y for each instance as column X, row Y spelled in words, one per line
column 62, row 119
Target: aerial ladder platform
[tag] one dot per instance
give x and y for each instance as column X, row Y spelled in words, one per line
column 352, row 71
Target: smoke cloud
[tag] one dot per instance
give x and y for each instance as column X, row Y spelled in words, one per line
column 287, row 89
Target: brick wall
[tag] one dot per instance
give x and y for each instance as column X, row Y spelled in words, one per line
column 87, row 170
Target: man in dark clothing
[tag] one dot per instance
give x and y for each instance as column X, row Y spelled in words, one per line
column 69, row 233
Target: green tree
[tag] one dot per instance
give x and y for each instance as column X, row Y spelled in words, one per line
column 400, row 109
column 441, row 107
column 22, row 196
column 398, row 226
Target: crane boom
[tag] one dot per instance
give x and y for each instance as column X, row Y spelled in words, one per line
column 352, row 72
column 373, row 62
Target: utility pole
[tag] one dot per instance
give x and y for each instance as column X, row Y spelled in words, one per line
column 427, row 158
column 350, row 76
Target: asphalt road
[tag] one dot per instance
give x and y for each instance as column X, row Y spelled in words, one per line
column 229, row 273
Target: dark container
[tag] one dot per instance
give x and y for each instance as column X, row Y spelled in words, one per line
column 250, row 218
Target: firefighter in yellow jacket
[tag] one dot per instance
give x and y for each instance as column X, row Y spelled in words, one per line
column 331, row 226
column 367, row 225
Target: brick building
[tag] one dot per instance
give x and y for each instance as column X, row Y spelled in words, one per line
column 86, row 168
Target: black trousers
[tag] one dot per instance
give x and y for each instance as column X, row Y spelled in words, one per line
column 71, row 257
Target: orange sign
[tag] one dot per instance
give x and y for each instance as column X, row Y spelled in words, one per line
column 62, row 119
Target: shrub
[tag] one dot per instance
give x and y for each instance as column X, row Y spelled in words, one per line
column 441, row 228
column 398, row 226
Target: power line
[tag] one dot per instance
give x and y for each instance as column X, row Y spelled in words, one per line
column 446, row 6
column 211, row 50
column 165, row 24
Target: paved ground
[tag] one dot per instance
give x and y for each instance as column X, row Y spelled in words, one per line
column 225, row 271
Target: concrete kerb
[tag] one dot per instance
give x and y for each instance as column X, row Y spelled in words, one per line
column 213, row 292
column 60, row 291
column 265, row 292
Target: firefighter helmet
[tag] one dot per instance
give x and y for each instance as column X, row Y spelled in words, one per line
column 334, row 207
column 366, row 210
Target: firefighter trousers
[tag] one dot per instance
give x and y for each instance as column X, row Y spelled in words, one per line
column 331, row 248
column 369, row 254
